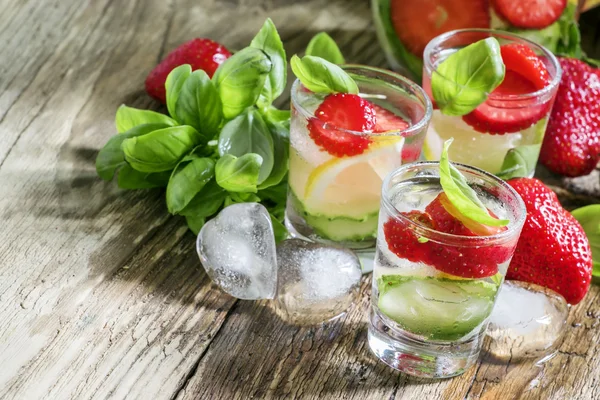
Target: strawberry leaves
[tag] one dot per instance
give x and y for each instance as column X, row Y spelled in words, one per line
column 589, row 218
column 461, row 195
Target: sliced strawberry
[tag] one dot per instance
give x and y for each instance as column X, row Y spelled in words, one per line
column 469, row 261
column 403, row 241
column 525, row 73
column 338, row 112
column 529, row 14
column 411, row 152
column 416, row 22
column 203, row 54
column 388, row 121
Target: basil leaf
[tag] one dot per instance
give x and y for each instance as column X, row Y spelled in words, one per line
column 464, row 187
column 322, row 45
column 240, row 80
column 279, row 229
column 207, row 201
column 462, row 197
column 111, row 157
column 195, row 223
column 268, row 40
column 199, row 105
column 238, row 174
column 589, row 218
column 569, row 38
column 279, row 116
column 187, row 181
column 248, row 133
column 129, row 178
column 128, row 118
column 276, row 194
column 519, row 161
column 281, row 146
column 242, row 198
column 464, row 79
column 321, row 76
column 160, row 150
column 173, row 85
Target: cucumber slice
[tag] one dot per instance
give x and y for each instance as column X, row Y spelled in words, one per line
column 437, row 308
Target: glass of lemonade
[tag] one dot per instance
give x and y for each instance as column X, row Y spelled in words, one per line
column 335, row 197
column 433, row 291
column 514, row 115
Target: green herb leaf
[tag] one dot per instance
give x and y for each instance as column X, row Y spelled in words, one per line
column 129, row 178
column 238, row 174
column 281, row 146
column 463, row 80
column 195, row 223
column 282, row 117
column 462, row 196
column 519, row 161
column 111, row 157
column 321, row 76
column 187, row 181
column 268, row 40
column 207, row 202
column 128, row 118
column 235, row 197
column 276, row 194
column 322, row 45
column 279, row 229
column 160, row 150
column 248, row 133
column 199, row 105
column 589, row 218
column 240, row 80
column 173, row 85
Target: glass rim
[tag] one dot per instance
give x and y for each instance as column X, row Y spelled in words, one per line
column 433, row 43
column 409, row 131
column 449, row 238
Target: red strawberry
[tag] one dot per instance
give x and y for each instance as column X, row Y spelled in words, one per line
column 525, row 73
column 572, row 142
column 403, row 241
column 201, row 54
column 338, row 112
column 465, row 261
column 416, row 22
column 388, row 121
column 553, row 250
column 530, row 14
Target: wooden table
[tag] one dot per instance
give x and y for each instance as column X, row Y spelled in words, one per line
column 101, row 292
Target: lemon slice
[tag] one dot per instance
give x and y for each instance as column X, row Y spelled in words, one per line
column 361, row 173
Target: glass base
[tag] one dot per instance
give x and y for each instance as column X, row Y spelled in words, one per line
column 298, row 228
column 406, row 353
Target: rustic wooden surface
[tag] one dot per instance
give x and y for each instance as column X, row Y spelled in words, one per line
column 101, row 293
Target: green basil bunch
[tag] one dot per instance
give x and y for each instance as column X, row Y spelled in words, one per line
column 223, row 142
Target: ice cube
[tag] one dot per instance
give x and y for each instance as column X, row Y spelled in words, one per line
column 315, row 282
column 237, row 250
column 528, row 321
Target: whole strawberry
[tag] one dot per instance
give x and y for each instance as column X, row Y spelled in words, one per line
column 572, row 143
column 553, row 250
column 203, row 54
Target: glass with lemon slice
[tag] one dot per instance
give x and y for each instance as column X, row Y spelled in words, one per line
column 336, row 173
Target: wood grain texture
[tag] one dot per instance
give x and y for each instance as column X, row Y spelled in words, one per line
column 101, row 293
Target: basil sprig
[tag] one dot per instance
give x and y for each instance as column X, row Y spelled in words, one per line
column 461, row 195
column 321, row 76
column 223, row 141
column 322, row 45
column 463, row 80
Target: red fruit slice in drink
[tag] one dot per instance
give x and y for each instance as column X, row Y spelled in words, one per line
column 525, row 74
column 529, row 14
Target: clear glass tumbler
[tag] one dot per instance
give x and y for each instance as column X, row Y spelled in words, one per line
column 335, row 198
column 506, row 121
column 433, row 292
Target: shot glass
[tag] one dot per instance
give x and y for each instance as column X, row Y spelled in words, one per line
column 335, row 198
column 506, row 121
column 433, row 292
